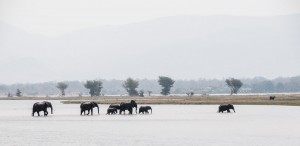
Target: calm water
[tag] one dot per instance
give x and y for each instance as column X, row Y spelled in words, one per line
column 168, row 125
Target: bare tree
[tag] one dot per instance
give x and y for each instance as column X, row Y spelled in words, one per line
column 149, row 93
column 18, row 93
column 141, row 93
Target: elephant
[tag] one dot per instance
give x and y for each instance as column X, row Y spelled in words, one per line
column 111, row 111
column 128, row 106
column 88, row 106
column 272, row 97
column 117, row 106
column 144, row 109
column 226, row 107
column 41, row 106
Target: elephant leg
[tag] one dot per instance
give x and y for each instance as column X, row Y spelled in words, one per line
column 88, row 112
column 33, row 113
column 38, row 113
column 228, row 111
column 45, row 113
column 92, row 111
column 81, row 111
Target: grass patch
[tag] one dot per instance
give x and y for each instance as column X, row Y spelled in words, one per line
column 281, row 99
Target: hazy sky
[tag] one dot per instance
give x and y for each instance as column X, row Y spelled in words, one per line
column 55, row 17
column 227, row 43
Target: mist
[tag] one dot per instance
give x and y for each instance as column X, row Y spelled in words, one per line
column 182, row 47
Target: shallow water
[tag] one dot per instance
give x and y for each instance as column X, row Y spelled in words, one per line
column 168, row 125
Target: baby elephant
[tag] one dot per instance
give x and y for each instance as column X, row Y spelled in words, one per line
column 117, row 106
column 144, row 109
column 111, row 111
column 226, row 107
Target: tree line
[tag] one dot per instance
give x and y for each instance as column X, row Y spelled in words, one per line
column 148, row 87
column 131, row 85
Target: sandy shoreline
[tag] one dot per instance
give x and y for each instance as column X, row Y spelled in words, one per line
column 281, row 99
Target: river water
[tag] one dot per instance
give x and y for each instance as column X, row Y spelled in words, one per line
column 170, row 125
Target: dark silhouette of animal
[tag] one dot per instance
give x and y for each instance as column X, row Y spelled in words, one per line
column 226, row 107
column 117, row 106
column 88, row 106
column 144, row 109
column 111, row 111
column 272, row 97
column 128, row 106
column 41, row 106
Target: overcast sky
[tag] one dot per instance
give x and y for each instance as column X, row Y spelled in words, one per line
column 55, row 17
column 183, row 39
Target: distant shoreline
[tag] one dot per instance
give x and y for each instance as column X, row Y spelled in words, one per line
column 281, row 99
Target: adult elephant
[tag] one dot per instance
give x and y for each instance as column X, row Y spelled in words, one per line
column 128, row 106
column 272, row 97
column 41, row 106
column 88, row 106
column 144, row 109
column 226, row 107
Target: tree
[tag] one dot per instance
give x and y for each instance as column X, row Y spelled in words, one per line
column 62, row 87
column 130, row 86
column 166, row 83
column 94, row 86
column 149, row 93
column 234, row 85
column 9, row 95
column 190, row 94
column 141, row 93
column 18, row 93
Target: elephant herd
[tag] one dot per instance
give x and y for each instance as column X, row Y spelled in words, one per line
column 113, row 108
column 88, row 107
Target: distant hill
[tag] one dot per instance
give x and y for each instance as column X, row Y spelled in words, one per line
column 183, row 47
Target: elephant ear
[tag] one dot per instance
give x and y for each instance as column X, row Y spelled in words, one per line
column 94, row 104
column 48, row 104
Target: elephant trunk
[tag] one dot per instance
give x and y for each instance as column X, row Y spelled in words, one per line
column 151, row 110
column 98, row 109
column 51, row 109
column 233, row 109
column 136, row 109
